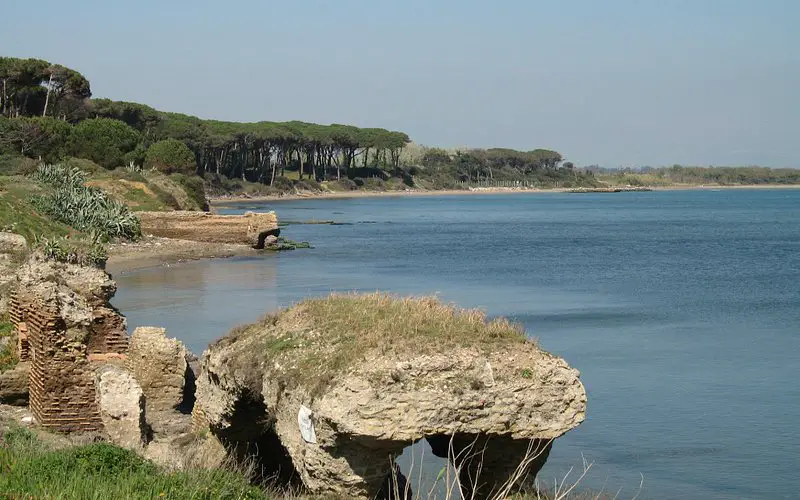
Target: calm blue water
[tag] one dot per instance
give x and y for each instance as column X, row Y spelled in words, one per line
column 681, row 309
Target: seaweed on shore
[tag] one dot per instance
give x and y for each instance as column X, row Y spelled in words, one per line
column 282, row 244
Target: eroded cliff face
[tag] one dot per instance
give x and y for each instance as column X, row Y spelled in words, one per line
column 486, row 400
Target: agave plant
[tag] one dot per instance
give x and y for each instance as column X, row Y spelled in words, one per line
column 85, row 208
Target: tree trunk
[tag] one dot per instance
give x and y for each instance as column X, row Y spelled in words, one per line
column 300, row 162
column 47, row 98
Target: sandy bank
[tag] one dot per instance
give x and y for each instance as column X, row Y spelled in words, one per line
column 312, row 195
column 152, row 251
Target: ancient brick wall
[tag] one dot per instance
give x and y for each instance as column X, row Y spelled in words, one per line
column 62, row 394
column 62, row 388
column 23, row 347
column 109, row 332
column 16, row 316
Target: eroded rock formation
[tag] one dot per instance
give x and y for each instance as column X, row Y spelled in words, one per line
column 82, row 375
column 121, row 405
column 251, row 228
column 333, row 390
column 159, row 364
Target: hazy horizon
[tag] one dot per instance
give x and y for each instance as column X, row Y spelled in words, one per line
column 618, row 83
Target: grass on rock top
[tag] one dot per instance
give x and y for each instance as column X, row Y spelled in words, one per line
column 320, row 338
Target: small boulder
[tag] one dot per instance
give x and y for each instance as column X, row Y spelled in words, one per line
column 12, row 243
column 121, row 404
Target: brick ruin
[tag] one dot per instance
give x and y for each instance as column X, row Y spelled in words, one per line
column 63, row 352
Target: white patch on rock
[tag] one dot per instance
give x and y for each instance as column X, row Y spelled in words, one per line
column 306, row 425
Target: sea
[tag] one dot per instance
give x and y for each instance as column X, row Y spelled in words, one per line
column 681, row 309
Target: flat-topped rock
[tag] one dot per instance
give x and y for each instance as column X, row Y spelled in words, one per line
column 340, row 385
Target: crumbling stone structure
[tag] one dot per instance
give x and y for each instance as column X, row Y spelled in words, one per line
column 250, row 228
column 65, row 326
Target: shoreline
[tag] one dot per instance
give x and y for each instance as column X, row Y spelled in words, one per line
column 319, row 195
column 152, row 251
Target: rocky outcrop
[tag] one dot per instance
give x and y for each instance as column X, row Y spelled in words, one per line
column 250, row 228
column 121, row 405
column 332, row 390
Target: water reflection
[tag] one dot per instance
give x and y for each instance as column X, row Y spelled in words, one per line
column 211, row 290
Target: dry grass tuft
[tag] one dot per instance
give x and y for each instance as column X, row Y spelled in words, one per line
column 380, row 320
column 318, row 339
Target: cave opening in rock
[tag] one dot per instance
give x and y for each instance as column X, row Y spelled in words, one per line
column 425, row 474
column 445, row 466
column 252, row 441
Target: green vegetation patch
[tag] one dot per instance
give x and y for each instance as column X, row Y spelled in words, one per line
column 8, row 354
column 86, row 208
column 170, row 156
column 19, row 215
column 100, row 470
column 320, row 338
column 84, row 252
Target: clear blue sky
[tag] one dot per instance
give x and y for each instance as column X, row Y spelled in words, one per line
column 614, row 82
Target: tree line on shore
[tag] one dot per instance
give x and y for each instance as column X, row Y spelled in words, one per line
column 47, row 113
column 679, row 174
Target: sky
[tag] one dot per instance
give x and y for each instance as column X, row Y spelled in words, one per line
column 608, row 82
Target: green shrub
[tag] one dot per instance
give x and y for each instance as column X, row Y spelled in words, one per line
column 128, row 175
column 62, row 249
column 104, row 141
column 137, row 156
column 344, row 184
column 35, row 137
column 84, row 164
column 17, row 165
column 171, row 156
column 83, row 207
column 307, row 185
column 374, row 184
column 194, row 187
column 282, row 184
column 165, row 197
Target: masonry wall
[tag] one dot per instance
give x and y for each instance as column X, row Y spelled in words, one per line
column 62, row 389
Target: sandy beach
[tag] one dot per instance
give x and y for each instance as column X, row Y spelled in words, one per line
column 311, row 195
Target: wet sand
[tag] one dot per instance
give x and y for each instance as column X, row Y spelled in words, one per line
column 152, row 251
